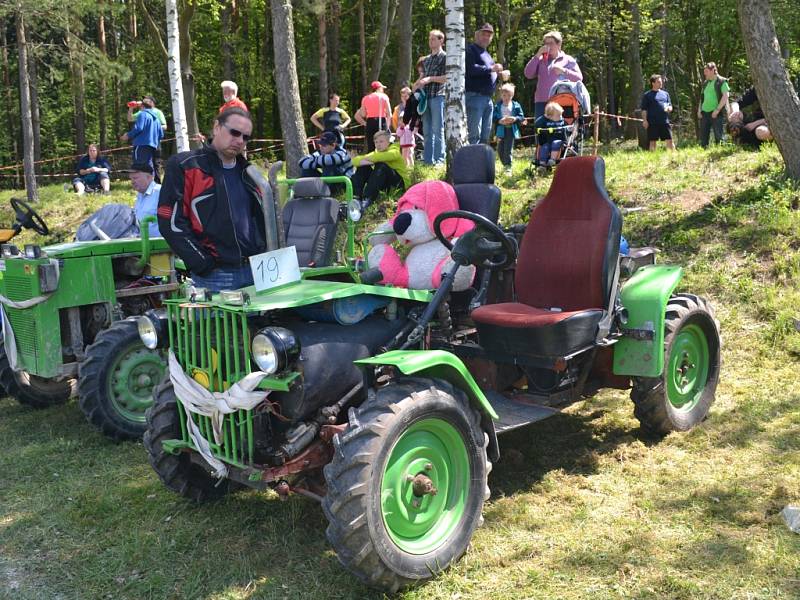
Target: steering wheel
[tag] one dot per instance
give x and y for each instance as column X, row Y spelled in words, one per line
column 29, row 218
column 480, row 245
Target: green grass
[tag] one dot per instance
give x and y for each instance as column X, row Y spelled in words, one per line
column 583, row 505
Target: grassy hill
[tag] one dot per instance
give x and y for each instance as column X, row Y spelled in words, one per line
column 583, row 505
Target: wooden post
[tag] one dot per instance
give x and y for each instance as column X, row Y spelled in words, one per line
column 596, row 129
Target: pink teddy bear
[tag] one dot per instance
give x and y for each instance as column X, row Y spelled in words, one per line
column 412, row 225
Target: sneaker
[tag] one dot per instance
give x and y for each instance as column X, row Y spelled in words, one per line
column 551, row 163
column 507, row 171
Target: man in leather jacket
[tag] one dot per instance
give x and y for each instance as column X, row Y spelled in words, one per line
column 210, row 210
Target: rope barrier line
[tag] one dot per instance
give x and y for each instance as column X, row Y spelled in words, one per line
column 273, row 144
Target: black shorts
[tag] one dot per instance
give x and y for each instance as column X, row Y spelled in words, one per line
column 659, row 131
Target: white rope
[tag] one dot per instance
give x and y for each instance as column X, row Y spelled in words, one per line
column 9, row 341
column 215, row 405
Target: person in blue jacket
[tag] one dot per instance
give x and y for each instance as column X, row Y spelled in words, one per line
column 480, row 81
column 145, row 136
column 92, row 171
column 508, row 116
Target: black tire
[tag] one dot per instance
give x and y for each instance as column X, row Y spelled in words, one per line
column 651, row 396
column 31, row 390
column 357, row 529
column 177, row 471
column 120, row 415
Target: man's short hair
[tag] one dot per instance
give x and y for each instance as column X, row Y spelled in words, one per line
column 438, row 33
column 149, row 99
column 223, row 117
column 230, row 84
column 654, row 76
column 382, row 133
column 141, row 167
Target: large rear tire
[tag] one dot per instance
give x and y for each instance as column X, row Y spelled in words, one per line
column 32, row 390
column 116, row 381
column 407, row 483
column 682, row 396
column 177, row 471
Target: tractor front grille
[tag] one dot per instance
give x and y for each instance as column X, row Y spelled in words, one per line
column 213, row 347
column 23, row 321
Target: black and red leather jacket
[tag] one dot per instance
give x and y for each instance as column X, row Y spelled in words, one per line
column 194, row 213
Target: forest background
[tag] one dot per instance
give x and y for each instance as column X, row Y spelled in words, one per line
column 87, row 58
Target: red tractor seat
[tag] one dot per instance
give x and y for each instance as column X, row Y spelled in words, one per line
column 565, row 270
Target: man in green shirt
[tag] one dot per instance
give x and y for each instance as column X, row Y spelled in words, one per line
column 713, row 104
column 380, row 170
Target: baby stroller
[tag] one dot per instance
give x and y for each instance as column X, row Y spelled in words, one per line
column 573, row 98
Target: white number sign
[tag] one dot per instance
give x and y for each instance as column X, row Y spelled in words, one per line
column 272, row 269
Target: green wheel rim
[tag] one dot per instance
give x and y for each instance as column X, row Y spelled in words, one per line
column 133, row 375
column 434, row 449
column 688, row 368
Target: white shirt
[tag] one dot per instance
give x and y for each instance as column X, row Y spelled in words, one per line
column 146, row 205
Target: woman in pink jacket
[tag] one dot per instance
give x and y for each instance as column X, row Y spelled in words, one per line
column 548, row 65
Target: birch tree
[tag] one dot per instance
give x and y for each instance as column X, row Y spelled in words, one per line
column 455, row 120
column 777, row 96
column 294, row 135
column 174, row 69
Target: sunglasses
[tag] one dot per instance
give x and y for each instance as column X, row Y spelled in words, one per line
column 236, row 133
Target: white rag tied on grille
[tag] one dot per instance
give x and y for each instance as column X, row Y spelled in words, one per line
column 196, row 399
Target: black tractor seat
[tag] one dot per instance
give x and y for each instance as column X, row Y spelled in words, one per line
column 310, row 219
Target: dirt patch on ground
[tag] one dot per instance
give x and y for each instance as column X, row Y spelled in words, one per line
column 692, row 200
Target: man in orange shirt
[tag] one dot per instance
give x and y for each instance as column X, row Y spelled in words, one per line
column 375, row 113
column 229, row 91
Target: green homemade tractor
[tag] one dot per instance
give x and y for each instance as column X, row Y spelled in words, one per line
column 385, row 404
column 64, row 323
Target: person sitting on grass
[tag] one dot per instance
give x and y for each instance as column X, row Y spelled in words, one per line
column 746, row 123
column 382, row 169
column 550, row 133
column 329, row 160
column 93, row 171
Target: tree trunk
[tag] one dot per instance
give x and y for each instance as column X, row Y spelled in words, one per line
column 78, row 91
column 362, row 47
column 25, row 110
column 455, row 120
column 174, row 69
column 227, row 35
column 388, row 8
column 187, row 77
column 116, row 86
column 36, row 117
column 776, row 95
column 291, row 111
column 11, row 132
column 101, row 91
column 334, row 40
column 404, row 44
column 634, row 60
column 690, row 23
column 322, row 25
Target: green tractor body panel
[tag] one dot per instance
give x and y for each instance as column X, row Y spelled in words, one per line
column 435, row 363
column 640, row 351
column 85, row 277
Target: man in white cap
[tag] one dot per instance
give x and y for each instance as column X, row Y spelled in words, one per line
column 229, row 92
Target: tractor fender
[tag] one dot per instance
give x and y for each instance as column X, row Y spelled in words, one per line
column 640, row 350
column 440, row 364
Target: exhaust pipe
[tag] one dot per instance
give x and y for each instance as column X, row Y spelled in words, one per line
column 268, row 207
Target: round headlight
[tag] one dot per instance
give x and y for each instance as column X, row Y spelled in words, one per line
column 274, row 349
column 148, row 332
column 354, row 210
column 264, row 353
